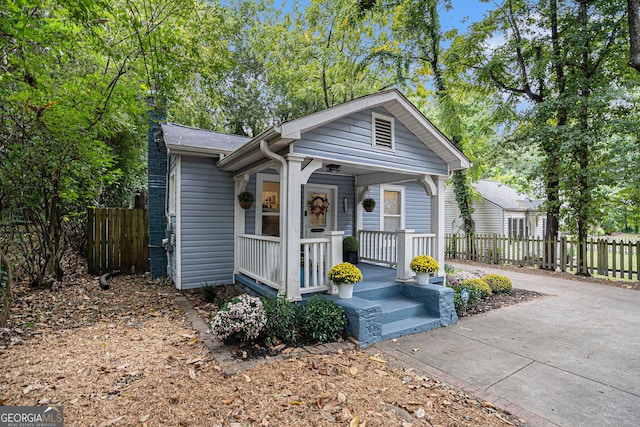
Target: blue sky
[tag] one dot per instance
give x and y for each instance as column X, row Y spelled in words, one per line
column 464, row 12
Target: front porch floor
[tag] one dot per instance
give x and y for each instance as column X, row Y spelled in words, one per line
column 382, row 308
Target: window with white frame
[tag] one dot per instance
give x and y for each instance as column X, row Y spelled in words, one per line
column 392, row 212
column 517, row 228
column 268, row 212
column 383, row 132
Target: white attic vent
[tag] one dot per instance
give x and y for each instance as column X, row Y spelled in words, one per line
column 383, row 132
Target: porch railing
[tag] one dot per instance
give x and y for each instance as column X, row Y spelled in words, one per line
column 378, row 246
column 259, row 258
column 396, row 248
column 315, row 264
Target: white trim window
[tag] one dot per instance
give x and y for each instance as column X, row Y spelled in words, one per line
column 392, row 213
column 268, row 205
column 517, row 228
column 383, row 132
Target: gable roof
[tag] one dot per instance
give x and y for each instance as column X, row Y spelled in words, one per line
column 187, row 140
column 505, row 197
column 279, row 137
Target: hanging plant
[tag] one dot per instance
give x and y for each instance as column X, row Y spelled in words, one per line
column 246, row 199
column 318, row 204
column 369, row 204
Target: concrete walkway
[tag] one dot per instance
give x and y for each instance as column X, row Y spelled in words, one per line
column 570, row 359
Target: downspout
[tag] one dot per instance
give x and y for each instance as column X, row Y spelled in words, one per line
column 284, row 201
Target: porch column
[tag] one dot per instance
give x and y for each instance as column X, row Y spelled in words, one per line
column 437, row 221
column 240, row 184
column 404, row 255
column 334, row 257
column 290, row 236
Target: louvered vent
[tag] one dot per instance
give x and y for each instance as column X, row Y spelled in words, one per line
column 383, row 132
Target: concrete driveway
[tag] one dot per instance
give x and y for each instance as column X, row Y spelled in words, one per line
column 571, row 358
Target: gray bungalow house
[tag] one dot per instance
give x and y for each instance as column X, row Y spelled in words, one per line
column 309, row 177
column 498, row 209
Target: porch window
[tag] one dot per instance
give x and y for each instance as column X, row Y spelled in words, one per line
column 382, row 130
column 392, row 211
column 270, row 201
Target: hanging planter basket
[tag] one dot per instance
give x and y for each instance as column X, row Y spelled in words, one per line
column 246, row 199
column 369, row 205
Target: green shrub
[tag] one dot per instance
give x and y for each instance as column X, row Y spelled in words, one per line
column 350, row 244
column 474, row 293
column 280, row 319
column 322, row 319
column 478, row 284
column 499, row 284
column 218, row 294
column 241, row 318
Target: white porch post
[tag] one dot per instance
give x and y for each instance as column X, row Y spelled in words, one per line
column 291, row 236
column 404, row 255
column 334, row 257
column 240, row 184
column 437, row 222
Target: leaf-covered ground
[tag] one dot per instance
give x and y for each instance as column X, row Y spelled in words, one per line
column 127, row 356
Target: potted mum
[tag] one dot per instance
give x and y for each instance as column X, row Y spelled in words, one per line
column 423, row 266
column 345, row 276
column 369, row 204
column 246, row 199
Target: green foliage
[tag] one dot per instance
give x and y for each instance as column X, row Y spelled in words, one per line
column 246, row 196
column 322, row 319
column 448, row 268
column 477, row 284
column 218, row 294
column 350, row 244
column 499, row 284
column 281, row 316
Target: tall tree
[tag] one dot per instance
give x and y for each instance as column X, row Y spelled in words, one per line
column 560, row 65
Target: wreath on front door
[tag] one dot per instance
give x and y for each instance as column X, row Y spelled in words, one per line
column 318, row 204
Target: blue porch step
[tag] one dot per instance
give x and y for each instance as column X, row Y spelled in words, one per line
column 412, row 325
column 399, row 308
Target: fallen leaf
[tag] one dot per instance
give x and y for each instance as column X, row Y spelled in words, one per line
column 192, row 361
column 295, row 402
column 342, row 397
column 247, row 378
column 228, row 401
column 377, row 359
column 355, row 421
column 193, row 340
column 416, row 349
column 144, row 418
column 420, row 413
column 353, row 370
column 110, row 422
column 192, row 373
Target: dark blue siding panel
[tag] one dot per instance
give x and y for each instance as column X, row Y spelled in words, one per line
column 207, row 206
column 157, row 187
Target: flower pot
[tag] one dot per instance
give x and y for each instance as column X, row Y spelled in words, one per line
column 422, row 278
column 345, row 290
column 369, row 208
column 246, row 205
column 351, row 257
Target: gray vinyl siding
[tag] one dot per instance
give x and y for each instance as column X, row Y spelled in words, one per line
column 371, row 220
column 417, row 208
column 172, row 256
column 206, row 223
column 488, row 218
column 349, row 140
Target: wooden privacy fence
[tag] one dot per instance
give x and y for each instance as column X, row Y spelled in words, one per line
column 118, row 239
column 605, row 257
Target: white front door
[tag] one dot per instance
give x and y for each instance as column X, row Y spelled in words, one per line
column 319, row 209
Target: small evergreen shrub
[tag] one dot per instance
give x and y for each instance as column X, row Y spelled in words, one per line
column 209, row 292
column 322, row 319
column 499, row 284
column 479, row 284
column 241, row 318
column 350, row 244
column 280, row 319
column 218, row 294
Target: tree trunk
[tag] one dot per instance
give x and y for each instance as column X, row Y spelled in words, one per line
column 6, row 292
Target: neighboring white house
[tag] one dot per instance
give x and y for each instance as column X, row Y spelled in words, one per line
column 498, row 209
